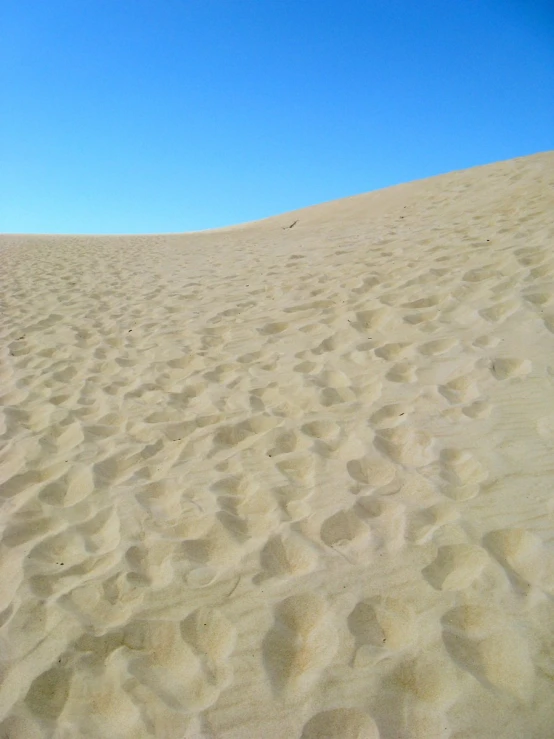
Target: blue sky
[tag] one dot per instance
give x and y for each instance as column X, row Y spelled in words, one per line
column 146, row 116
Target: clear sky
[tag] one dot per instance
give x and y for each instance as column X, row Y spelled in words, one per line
column 145, row 116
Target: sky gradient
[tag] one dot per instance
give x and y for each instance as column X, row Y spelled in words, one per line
column 152, row 116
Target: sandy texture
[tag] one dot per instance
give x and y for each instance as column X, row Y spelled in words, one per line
column 271, row 482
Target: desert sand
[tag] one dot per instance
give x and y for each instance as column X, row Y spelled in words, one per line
column 285, row 480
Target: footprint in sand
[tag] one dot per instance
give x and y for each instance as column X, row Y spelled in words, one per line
column 524, row 556
column 371, row 319
column 321, row 429
column 438, row 347
column 500, row 311
column 331, row 344
column 211, row 636
column 305, row 368
column 299, row 469
column 345, row 529
column 18, row 532
column 478, row 409
column 461, row 389
column 387, row 521
column 462, row 474
column 152, row 564
column 538, row 298
column 394, row 351
column 481, row 274
column 185, row 664
column 287, row 556
column 49, row 692
column 28, row 627
column 102, row 605
column 529, row 257
column 249, row 516
column 276, row 327
column 366, row 285
column 383, row 622
column 482, row 642
column 422, row 317
column 301, row 643
column 19, row 727
column 330, row 396
column 70, row 488
column 505, row 368
column 161, row 500
column 456, row 566
column 402, row 372
column 549, row 322
column 423, row 524
column 237, row 434
column 101, row 533
column 406, row 446
column 390, row 415
column 65, row 549
column 218, row 547
column 374, row 471
column 333, row 379
column 347, row 723
column 430, row 680
column 284, row 443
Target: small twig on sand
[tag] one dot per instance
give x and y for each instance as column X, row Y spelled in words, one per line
column 342, row 554
column 291, row 225
column 233, row 590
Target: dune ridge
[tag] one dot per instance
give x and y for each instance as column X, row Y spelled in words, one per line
column 285, row 481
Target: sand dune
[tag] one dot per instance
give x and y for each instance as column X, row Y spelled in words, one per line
column 274, row 481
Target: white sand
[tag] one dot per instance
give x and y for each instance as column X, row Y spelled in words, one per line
column 264, row 482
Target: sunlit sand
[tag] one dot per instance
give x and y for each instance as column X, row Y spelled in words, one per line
column 288, row 479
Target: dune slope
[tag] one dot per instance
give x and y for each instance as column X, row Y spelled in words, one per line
column 288, row 479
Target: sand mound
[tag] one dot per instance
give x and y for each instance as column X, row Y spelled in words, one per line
column 274, row 481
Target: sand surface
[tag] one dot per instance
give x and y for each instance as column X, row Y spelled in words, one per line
column 267, row 482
